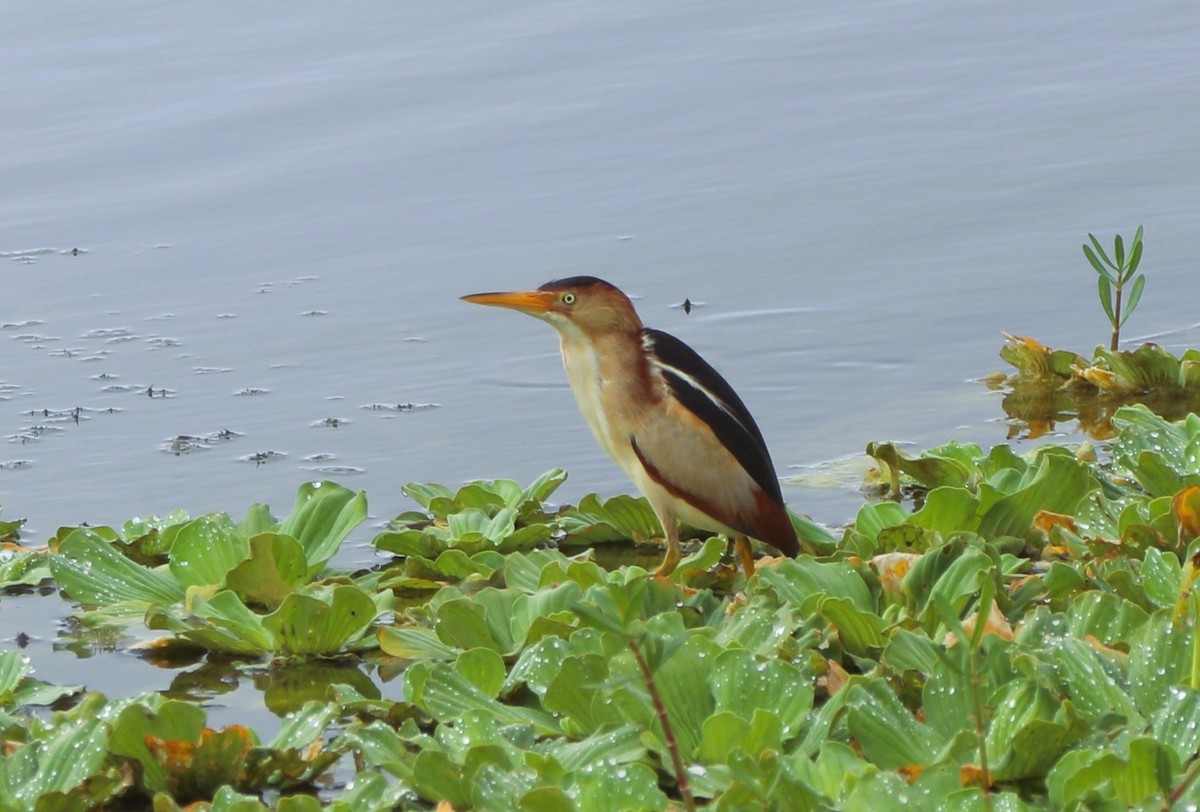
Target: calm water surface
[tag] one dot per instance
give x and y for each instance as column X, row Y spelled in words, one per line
column 276, row 211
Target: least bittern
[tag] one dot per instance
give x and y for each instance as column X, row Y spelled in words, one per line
column 666, row 417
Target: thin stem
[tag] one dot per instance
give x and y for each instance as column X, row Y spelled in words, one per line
column 973, row 645
column 659, row 708
column 1195, row 677
column 1116, row 333
column 1182, row 787
column 977, row 697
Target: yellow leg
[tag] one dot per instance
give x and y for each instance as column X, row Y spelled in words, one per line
column 743, row 550
column 674, row 552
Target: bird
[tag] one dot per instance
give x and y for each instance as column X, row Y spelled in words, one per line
column 664, row 415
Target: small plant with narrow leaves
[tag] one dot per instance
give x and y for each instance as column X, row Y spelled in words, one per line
column 1115, row 274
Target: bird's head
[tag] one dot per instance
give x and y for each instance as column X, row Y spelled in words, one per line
column 585, row 303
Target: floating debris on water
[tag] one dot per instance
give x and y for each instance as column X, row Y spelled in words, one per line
column 399, row 407
column 262, row 457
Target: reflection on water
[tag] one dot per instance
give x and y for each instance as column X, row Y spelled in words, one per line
column 1037, row 410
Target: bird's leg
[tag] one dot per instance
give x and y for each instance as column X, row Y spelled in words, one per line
column 674, row 552
column 743, row 550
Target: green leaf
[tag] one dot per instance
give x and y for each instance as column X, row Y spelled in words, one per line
column 1146, row 774
column 170, row 720
column 1027, row 733
column 952, row 573
column 799, row 580
column 908, row 651
column 1135, row 254
column 309, row 625
column 888, row 734
column 483, row 668
column 1106, row 299
column 414, row 644
column 946, row 698
column 540, row 489
column 617, row 746
column 1058, row 484
column 445, row 694
column 222, row 623
column 14, row 667
column 872, row 519
column 92, row 571
column 1095, row 683
column 620, row 518
column 948, row 510
column 1176, row 722
column 324, row 514
column 1135, row 296
column 425, row 493
column 1104, row 616
column 1100, row 250
column 205, row 549
column 574, row 694
column 1100, row 269
column 258, row 519
column 58, row 763
column 303, row 727
column 1160, row 659
column 275, row 568
column 616, row 786
column 860, row 631
column 682, row 682
column 742, row 684
column 461, row 623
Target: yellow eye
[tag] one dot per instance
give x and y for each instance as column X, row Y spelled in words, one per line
column 568, row 298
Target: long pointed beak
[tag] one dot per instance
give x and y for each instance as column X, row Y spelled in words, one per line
column 533, row 302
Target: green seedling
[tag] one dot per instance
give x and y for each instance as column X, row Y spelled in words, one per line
column 1114, row 276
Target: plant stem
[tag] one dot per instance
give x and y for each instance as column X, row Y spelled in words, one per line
column 1195, row 680
column 980, row 731
column 1116, row 333
column 668, row 734
column 1182, row 786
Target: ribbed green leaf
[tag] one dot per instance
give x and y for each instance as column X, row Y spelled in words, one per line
column 92, row 571
column 414, row 644
column 275, row 568
column 1176, row 722
column 170, row 720
column 445, row 694
column 68, row 756
column 742, row 683
column 312, row 625
column 888, row 734
column 1095, row 683
column 324, row 514
column 1160, row 659
column 206, row 549
column 1027, row 732
column 483, row 668
column 861, row 632
column 1058, row 484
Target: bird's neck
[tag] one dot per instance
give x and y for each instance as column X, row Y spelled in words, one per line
column 612, row 383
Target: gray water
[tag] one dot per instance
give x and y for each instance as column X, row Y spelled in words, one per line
column 276, row 207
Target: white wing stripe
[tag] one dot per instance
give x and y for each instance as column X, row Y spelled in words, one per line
column 692, row 382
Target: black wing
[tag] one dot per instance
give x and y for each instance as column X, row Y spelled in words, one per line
column 703, row 391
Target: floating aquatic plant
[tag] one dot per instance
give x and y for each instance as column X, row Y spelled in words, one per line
column 1019, row 637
